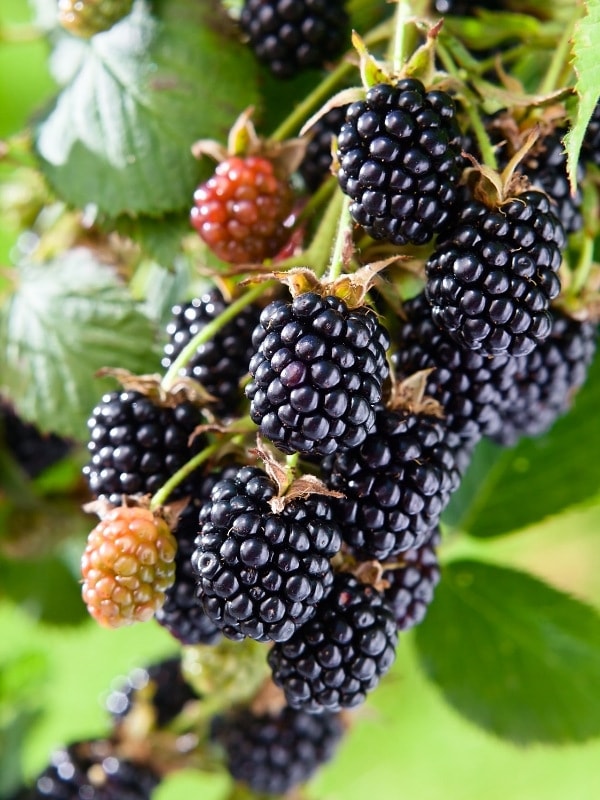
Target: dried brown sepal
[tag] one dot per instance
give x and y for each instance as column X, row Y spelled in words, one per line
column 421, row 64
column 269, row 699
column 409, row 395
column 367, row 572
column 341, row 98
column 302, row 487
column 279, row 472
column 169, row 513
column 182, row 388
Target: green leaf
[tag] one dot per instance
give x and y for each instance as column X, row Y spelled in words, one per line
column 67, row 319
column 137, row 97
column 506, row 490
column 160, row 239
column 515, row 656
column 586, row 43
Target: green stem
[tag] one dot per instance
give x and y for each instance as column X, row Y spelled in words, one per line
column 160, row 497
column 399, row 44
column 207, row 333
column 319, row 252
column 337, row 256
column 584, row 265
column 559, row 59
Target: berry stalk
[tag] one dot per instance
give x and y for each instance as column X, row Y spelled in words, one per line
column 160, row 497
column 341, row 240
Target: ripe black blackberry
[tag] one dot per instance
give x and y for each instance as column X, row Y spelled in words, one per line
column 261, row 574
column 492, row 277
column 315, row 166
column 590, row 150
column 31, row 449
column 272, row 753
column 136, row 445
column 339, row 656
column 220, row 363
column 293, row 35
column 92, row 770
column 396, row 484
column 547, row 379
column 317, row 374
column 399, row 155
column 470, row 386
column 412, row 586
column 182, row 613
column 161, row 685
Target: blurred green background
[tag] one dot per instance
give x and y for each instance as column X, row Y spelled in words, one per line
column 406, row 743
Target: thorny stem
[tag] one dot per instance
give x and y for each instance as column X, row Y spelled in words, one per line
column 401, row 18
column 160, row 497
column 487, row 151
column 343, row 228
column 208, row 331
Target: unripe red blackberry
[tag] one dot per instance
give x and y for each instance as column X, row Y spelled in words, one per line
column 262, row 574
column 399, row 155
column 273, row 753
column 339, row 656
column 547, row 379
column 492, row 277
column 396, row 483
column 137, row 445
column 292, row 35
column 316, row 164
column 127, row 566
column 93, row 771
column 220, row 363
column 317, row 374
column 470, row 386
column 239, row 212
column 412, row 586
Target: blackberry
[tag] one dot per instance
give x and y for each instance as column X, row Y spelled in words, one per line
column 293, row 35
column 182, row 613
column 469, row 385
column 272, row 753
column 590, row 150
column 340, row 655
column 161, row 685
column 92, row 770
column 547, row 379
column 316, row 164
column 396, row 484
column 400, row 161
column 317, row 374
column 261, row 574
column 136, row 445
column 491, row 279
column 220, row 363
column 31, row 449
column 412, row 586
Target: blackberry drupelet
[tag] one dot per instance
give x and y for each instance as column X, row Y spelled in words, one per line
column 91, row 770
column 136, row 445
column 220, row 363
column 492, row 277
column 400, row 161
column 261, row 574
column 317, row 374
column 161, row 685
column 412, row 586
column 293, row 35
column 469, row 385
column 272, row 753
column 182, row 613
column 396, row 484
column 339, row 656
column 31, row 449
column 316, row 164
column 547, row 379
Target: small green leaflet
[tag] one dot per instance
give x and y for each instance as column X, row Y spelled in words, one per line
column 513, row 655
column 586, row 45
column 67, row 319
column 136, row 98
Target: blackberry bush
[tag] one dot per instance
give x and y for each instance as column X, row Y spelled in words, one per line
column 399, row 161
column 318, row 373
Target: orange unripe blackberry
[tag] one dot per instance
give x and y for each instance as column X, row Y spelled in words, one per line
column 127, row 566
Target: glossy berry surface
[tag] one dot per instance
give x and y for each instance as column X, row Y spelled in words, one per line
column 340, row 655
column 293, row 35
column 491, row 279
column 136, row 445
column 220, row 363
column 239, row 212
column 547, row 380
column 395, row 484
column 127, row 566
column 317, row 374
column 273, row 753
column 262, row 574
column 469, row 385
column 399, row 161
column 412, row 585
